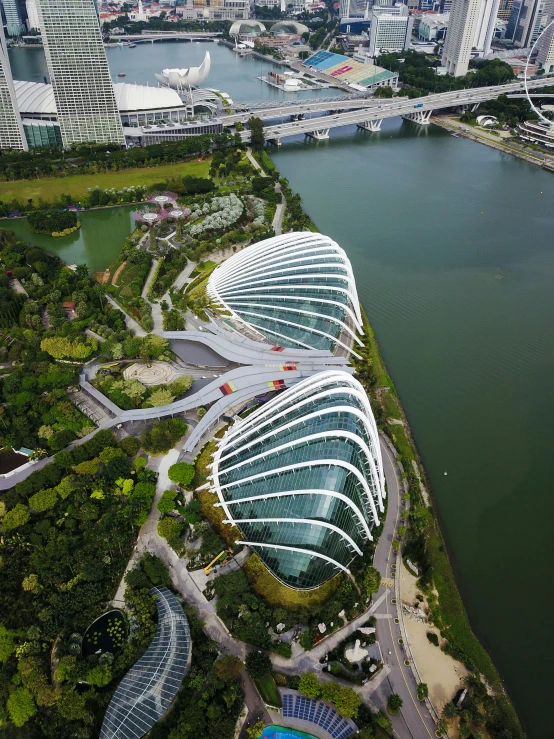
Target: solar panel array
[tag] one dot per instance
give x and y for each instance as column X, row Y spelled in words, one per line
column 148, row 689
column 306, row 709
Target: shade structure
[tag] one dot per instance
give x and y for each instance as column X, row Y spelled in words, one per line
column 302, row 478
column 296, row 290
column 148, row 689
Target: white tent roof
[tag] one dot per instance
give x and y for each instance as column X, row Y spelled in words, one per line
column 38, row 97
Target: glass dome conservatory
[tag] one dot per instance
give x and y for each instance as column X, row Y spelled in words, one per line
column 148, row 689
column 296, row 290
column 302, row 478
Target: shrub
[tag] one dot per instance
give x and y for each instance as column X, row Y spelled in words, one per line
column 394, row 703
column 172, row 530
column 433, row 638
column 166, row 504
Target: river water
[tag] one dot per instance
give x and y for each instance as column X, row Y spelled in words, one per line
column 453, row 251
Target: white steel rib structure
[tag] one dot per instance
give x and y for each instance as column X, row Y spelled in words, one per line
column 296, row 291
column 148, row 689
column 302, row 478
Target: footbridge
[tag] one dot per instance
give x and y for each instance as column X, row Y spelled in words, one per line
column 316, row 117
column 151, row 36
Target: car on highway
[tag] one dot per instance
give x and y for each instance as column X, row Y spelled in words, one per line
column 419, row 105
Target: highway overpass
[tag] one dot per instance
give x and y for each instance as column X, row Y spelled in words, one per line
column 316, row 117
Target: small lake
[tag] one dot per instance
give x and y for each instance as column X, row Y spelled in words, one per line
column 108, row 634
column 96, row 244
column 11, row 460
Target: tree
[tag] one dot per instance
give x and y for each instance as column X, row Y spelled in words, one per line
column 43, row 500
column 255, row 731
column 394, row 703
column 181, row 473
column 21, row 706
column 71, row 706
column 60, row 347
column 130, row 445
column 166, row 504
column 7, row 644
column 422, row 691
column 257, row 134
column 159, row 398
column 30, row 583
column 306, row 640
column 258, row 664
column 442, row 727
column 449, row 711
column 347, row 702
column 372, row 579
column 330, row 691
column 309, row 685
column 228, row 668
column 170, row 529
column 18, row 516
column 100, row 675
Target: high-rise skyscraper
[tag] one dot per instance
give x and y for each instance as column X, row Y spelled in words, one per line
column 32, row 15
column 460, row 36
column 79, row 72
column 14, row 24
column 486, row 22
column 12, row 135
column 525, row 22
column 545, row 57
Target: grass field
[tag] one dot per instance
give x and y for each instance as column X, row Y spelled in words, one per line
column 52, row 187
column 267, row 688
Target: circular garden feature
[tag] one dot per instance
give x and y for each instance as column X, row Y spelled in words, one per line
column 107, row 634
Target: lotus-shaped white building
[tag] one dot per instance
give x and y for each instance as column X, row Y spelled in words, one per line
column 182, row 78
column 295, row 291
column 302, row 478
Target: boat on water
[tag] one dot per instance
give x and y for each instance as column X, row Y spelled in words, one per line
column 132, row 46
column 121, row 74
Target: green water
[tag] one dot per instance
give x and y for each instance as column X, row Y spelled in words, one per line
column 97, row 243
column 452, row 245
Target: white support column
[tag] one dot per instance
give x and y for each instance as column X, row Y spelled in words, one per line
column 474, row 108
column 319, row 135
column 371, row 125
column 420, row 116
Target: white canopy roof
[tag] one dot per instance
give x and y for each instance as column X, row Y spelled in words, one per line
column 38, row 98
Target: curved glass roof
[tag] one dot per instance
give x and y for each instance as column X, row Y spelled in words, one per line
column 296, row 290
column 288, row 26
column 302, row 478
column 148, row 689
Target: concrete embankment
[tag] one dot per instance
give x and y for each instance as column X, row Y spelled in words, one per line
column 484, row 137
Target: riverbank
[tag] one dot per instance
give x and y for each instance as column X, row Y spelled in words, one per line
column 495, row 142
column 447, row 610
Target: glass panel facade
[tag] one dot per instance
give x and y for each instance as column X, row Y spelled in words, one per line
column 296, row 290
column 301, row 477
column 148, row 689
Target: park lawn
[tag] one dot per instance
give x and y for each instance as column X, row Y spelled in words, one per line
column 50, row 188
column 267, row 688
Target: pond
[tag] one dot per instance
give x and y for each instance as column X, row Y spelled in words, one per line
column 11, row 460
column 107, row 634
column 97, row 243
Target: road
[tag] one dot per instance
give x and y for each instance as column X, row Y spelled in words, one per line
column 415, row 717
column 359, row 111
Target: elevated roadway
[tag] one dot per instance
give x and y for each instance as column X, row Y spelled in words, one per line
column 318, row 116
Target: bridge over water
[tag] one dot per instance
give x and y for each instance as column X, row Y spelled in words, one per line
column 317, row 117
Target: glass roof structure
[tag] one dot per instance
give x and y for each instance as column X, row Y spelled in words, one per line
column 302, row 478
column 148, row 689
column 296, row 290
